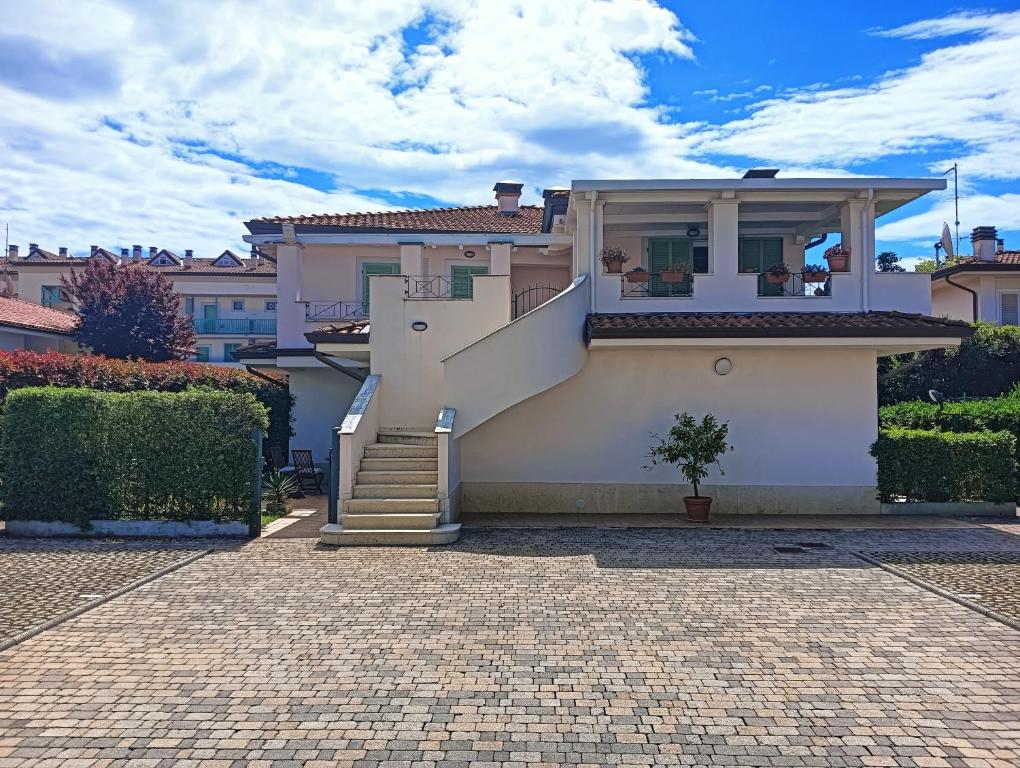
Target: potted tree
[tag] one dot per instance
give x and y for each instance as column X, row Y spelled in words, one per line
column 814, row 273
column 777, row 274
column 674, row 273
column 838, row 258
column 277, row 490
column 613, row 260
column 638, row 275
column 692, row 446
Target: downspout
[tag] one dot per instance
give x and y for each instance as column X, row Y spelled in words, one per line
column 325, row 359
column 973, row 297
column 591, row 240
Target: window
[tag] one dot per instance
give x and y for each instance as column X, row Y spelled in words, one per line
column 1009, row 308
column 237, row 305
column 202, row 354
column 461, row 279
column 189, row 305
column 228, row 352
column 162, row 261
column 368, row 269
column 270, row 306
column 52, row 295
column 757, row 254
column 663, row 253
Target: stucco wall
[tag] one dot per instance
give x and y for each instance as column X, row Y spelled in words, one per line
column 950, row 301
column 11, row 340
column 798, row 419
column 321, row 399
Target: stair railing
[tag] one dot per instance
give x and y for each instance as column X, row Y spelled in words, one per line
column 359, row 428
column 448, row 479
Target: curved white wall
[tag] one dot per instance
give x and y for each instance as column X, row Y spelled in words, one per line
column 530, row 355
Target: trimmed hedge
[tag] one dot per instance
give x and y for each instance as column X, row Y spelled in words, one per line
column 76, row 455
column 930, row 465
column 36, row 369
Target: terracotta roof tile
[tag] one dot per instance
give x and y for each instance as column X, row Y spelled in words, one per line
column 200, row 266
column 776, row 324
column 347, row 331
column 478, row 218
column 1008, row 257
column 33, row 317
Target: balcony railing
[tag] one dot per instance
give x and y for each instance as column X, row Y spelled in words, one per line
column 437, row 287
column 236, row 327
column 798, row 284
column 651, row 285
column 323, row 311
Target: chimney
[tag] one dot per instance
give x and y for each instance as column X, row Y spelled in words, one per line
column 32, row 247
column 508, row 196
column 153, row 250
column 983, row 240
column 1000, row 245
column 188, row 256
column 254, row 255
column 136, row 253
column 62, row 251
column 93, row 249
column 555, row 199
column 12, row 251
column 125, row 255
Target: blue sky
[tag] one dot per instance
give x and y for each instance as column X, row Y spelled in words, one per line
column 128, row 123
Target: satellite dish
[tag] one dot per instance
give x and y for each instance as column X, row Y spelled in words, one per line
column 947, row 241
column 936, row 397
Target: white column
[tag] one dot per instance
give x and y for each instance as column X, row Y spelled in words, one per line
column 499, row 258
column 411, row 259
column 290, row 309
column 723, row 243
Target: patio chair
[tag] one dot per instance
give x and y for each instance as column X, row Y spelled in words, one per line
column 305, row 470
column 277, row 457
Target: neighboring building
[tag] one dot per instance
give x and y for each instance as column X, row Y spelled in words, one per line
column 463, row 405
column 24, row 325
column 232, row 300
column 984, row 287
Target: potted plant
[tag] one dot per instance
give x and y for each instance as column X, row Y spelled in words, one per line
column 674, row 273
column 692, row 446
column 814, row 273
column 838, row 258
column 277, row 489
column 638, row 275
column 613, row 260
column 777, row 274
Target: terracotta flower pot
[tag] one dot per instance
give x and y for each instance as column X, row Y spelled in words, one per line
column 838, row 263
column 638, row 277
column 673, row 277
column 814, row 277
column 614, row 267
column 776, row 279
column 697, row 508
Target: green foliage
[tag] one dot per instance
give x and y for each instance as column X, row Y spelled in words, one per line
column 77, row 455
column 277, row 488
column 930, row 465
column 985, row 364
column 888, row 261
column 928, row 265
column 692, row 446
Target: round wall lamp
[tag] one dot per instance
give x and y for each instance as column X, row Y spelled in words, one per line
column 693, row 231
column 469, row 254
column 419, row 325
column 723, row 366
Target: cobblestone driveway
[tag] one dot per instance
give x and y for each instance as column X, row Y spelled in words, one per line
column 43, row 578
column 594, row 647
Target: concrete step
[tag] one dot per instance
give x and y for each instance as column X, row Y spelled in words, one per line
column 441, row 534
column 399, row 465
column 406, row 437
column 390, row 506
column 396, row 477
column 400, row 451
column 414, row 521
column 392, row 491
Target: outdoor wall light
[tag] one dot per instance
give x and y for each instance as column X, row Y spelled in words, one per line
column 419, row 325
column 723, row 366
column 693, row 231
column 469, row 254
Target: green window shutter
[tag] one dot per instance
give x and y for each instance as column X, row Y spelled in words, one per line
column 749, row 255
column 771, row 251
column 460, row 279
column 375, row 268
column 663, row 252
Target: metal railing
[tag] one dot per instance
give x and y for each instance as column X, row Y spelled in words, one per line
column 321, row 311
column 801, row 284
column 533, row 296
column 438, row 287
column 235, row 326
column 650, row 285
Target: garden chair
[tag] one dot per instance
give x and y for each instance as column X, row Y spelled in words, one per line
column 277, row 458
column 305, row 469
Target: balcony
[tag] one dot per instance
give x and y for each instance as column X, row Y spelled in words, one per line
column 331, row 311
column 657, row 285
column 809, row 285
column 235, row 327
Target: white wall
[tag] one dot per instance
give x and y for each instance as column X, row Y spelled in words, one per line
column 409, row 361
column 12, row 340
column 952, row 302
column 797, row 417
column 321, row 399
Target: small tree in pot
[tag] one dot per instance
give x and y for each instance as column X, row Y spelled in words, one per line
column 692, row 446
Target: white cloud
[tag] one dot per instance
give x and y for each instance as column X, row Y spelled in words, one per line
column 1002, row 211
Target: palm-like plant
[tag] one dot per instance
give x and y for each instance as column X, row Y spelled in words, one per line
column 277, row 489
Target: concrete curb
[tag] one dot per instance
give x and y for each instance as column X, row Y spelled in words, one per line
column 50, row 623
column 983, row 610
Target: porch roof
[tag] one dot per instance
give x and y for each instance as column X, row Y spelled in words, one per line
column 347, row 332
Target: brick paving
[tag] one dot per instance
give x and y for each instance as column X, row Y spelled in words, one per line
column 41, row 579
column 522, row 648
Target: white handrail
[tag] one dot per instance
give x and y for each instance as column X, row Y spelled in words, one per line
column 448, row 478
column 359, row 427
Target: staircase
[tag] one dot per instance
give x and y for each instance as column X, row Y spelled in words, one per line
column 395, row 499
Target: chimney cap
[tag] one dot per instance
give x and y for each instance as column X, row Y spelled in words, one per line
column 983, row 233
column 553, row 192
column 33, row 246
column 512, row 187
column 62, row 251
column 761, row 173
column 93, row 249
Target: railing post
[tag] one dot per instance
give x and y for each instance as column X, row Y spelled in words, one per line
column 333, row 516
column 255, row 513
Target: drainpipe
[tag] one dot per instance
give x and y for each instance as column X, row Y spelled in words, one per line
column 591, row 239
column 256, row 372
column 325, row 359
column 973, row 297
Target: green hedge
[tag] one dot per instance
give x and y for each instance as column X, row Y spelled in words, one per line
column 76, row 455
column 930, row 465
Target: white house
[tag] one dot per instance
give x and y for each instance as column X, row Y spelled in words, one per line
column 232, row 300
column 985, row 286
column 406, row 329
